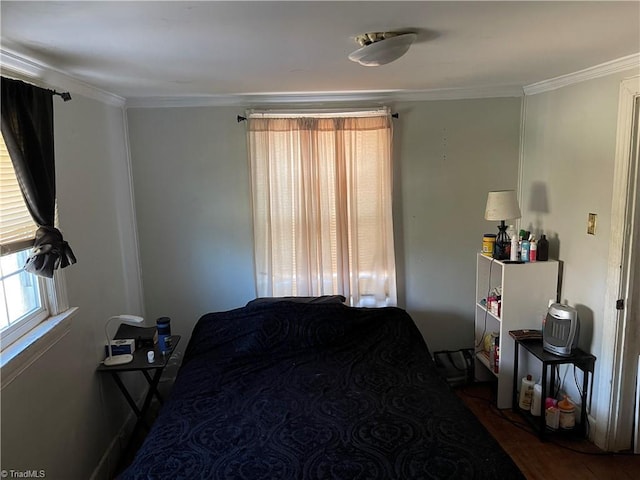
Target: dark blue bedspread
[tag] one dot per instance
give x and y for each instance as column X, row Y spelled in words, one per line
column 299, row 391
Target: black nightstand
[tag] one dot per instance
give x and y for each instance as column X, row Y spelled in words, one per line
column 584, row 361
column 141, row 364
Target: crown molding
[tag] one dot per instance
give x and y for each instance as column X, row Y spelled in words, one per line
column 257, row 99
column 22, row 68
column 18, row 66
column 608, row 68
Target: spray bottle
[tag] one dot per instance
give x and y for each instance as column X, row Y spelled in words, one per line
column 533, row 249
column 514, row 248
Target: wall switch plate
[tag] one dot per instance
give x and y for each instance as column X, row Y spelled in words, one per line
column 591, row 224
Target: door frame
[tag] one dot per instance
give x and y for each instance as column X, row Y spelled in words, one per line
column 618, row 372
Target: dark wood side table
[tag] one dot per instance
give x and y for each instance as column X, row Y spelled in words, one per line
column 141, row 364
column 584, row 361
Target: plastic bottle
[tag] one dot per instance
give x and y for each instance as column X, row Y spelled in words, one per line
column 543, row 249
column 533, row 250
column 536, row 400
column 511, row 233
column 525, row 250
column 526, row 392
column 513, row 253
column 521, row 237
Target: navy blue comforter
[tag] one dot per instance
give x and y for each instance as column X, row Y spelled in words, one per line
column 314, row 391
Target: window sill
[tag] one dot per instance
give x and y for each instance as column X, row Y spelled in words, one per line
column 18, row 356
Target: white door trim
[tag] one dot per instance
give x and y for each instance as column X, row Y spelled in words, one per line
column 636, row 433
column 610, row 402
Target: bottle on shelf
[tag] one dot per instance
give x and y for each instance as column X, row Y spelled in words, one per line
column 513, row 256
column 543, row 249
column 526, row 392
column 511, row 232
column 524, row 254
column 536, row 400
column 533, row 250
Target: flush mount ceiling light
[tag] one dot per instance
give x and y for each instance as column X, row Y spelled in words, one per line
column 379, row 48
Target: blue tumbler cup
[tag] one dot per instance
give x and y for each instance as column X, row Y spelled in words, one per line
column 163, row 325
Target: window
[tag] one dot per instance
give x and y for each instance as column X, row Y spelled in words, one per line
column 23, row 305
column 34, row 291
column 321, row 190
column 23, row 296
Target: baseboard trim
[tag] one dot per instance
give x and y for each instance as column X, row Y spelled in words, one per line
column 105, row 470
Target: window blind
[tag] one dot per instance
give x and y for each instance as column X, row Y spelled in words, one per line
column 17, row 228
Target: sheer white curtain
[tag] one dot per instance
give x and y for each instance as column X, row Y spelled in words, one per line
column 321, row 191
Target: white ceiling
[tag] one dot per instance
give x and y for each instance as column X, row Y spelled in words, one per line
column 200, row 49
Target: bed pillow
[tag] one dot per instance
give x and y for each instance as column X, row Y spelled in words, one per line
column 274, row 328
column 321, row 299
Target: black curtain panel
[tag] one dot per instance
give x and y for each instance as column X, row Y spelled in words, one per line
column 27, row 128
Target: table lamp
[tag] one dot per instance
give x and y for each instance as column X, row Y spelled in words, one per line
column 119, row 359
column 502, row 205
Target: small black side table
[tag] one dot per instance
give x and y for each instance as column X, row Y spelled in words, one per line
column 584, row 361
column 141, row 364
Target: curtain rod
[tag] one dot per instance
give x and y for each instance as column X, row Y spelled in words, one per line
column 241, row 118
column 66, row 96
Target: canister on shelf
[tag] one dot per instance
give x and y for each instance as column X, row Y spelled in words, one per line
column 567, row 414
column 552, row 417
column 552, row 414
column 488, row 244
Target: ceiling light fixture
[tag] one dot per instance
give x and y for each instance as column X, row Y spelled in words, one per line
column 380, row 48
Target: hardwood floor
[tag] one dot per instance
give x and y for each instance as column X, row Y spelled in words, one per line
column 561, row 459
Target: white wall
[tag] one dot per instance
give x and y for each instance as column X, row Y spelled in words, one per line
column 567, row 173
column 59, row 415
column 190, row 171
column 450, row 154
column 191, row 179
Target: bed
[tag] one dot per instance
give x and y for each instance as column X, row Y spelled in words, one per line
column 314, row 390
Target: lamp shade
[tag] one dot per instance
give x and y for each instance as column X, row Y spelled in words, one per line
column 502, row 205
column 383, row 51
